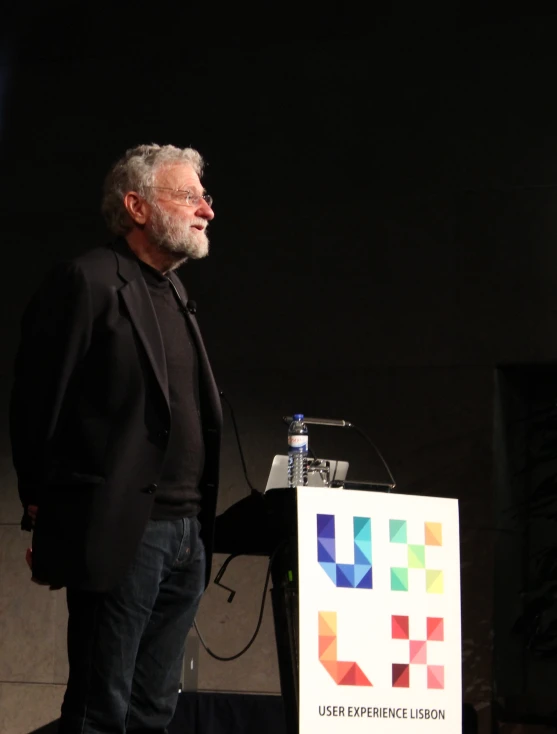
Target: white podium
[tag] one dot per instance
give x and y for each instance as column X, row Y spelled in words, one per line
column 379, row 613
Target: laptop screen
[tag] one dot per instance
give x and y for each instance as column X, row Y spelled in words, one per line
column 320, row 471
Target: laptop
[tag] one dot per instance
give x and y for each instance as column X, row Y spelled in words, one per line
column 319, row 470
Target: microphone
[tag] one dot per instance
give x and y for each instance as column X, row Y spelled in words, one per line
column 190, row 307
column 346, row 424
column 320, row 421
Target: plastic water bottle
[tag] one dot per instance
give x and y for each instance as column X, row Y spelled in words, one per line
column 297, row 452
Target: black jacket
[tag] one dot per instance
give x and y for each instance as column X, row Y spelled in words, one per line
column 90, row 418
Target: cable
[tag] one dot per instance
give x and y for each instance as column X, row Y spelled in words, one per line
column 379, row 454
column 341, row 423
column 223, row 568
column 244, row 467
column 262, row 609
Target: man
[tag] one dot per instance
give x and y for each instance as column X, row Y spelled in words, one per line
column 116, row 424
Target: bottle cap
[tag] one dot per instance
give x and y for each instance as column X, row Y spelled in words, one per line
column 298, row 416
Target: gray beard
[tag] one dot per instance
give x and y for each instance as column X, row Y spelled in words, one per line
column 175, row 238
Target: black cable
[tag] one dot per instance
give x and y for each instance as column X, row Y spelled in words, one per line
column 263, row 600
column 379, row 454
column 341, row 423
column 242, row 458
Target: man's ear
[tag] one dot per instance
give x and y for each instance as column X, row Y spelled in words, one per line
column 137, row 207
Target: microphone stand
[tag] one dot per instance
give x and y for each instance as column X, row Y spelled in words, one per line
column 340, row 423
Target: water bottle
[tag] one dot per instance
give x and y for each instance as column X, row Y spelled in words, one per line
column 297, row 452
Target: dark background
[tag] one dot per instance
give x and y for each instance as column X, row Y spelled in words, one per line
column 385, row 186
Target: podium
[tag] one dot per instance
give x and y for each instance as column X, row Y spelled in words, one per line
column 366, row 603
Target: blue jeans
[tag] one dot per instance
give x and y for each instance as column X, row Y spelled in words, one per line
column 126, row 646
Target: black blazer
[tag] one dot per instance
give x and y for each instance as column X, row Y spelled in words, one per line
column 90, row 418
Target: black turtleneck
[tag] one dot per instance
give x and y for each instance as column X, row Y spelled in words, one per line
column 178, row 488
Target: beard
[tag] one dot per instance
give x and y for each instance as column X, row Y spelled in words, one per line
column 177, row 238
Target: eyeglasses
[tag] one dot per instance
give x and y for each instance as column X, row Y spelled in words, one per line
column 185, row 198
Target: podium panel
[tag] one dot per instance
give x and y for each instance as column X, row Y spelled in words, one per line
column 379, row 613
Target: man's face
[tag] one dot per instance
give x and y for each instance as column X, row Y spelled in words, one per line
column 173, row 226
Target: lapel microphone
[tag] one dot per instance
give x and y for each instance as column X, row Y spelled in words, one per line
column 190, row 306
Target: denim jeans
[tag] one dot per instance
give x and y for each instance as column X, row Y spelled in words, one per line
column 126, row 646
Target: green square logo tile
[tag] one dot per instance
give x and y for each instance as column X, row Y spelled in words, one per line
column 434, row 582
column 416, row 556
column 397, row 531
column 399, row 579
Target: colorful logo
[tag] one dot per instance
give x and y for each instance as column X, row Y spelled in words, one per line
column 357, row 575
column 433, row 536
column 400, row 630
column 343, row 673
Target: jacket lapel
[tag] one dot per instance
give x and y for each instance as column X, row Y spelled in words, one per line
column 142, row 313
column 206, row 371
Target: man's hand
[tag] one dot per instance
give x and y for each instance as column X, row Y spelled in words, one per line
column 32, row 512
column 29, row 518
column 29, row 559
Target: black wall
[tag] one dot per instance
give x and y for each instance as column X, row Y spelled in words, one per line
column 386, row 201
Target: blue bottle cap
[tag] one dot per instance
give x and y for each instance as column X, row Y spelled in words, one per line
column 298, row 416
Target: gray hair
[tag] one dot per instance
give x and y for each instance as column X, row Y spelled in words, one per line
column 135, row 171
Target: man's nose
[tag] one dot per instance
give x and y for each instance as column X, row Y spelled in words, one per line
column 204, row 210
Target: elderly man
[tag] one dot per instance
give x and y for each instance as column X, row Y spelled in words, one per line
column 116, row 424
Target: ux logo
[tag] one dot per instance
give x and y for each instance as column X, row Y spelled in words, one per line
column 418, row 651
column 342, row 672
column 357, row 575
